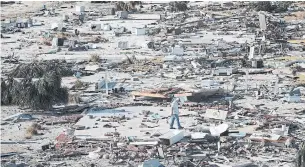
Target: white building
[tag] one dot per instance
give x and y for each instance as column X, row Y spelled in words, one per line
column 140, row 31
column 122, row 14
column 107, row 27
column 177, row 50
column 54, row 42
column 80, row 9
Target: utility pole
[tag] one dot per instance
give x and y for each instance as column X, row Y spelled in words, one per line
column 276, row 87
column 106, row 81
column 247, row 78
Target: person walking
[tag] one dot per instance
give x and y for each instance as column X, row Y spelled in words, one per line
column 175, row 113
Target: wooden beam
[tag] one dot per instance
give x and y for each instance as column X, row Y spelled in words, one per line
column 183, row 95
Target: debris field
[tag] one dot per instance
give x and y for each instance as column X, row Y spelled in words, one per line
column 92, row 83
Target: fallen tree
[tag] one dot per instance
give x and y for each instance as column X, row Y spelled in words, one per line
column 37, row 69
column 35, row 94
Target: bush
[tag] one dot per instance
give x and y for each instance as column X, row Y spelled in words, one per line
column 74, row 98
column 79, row 84
column 94, row 58
column 32, row 130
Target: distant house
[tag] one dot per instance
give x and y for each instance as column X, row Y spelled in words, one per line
column 227, row 4
column 122, row 14
column 8, row 23
column 140, row 31
column 177, row 50
column 108, row 11
column 123, row 44
column 58, row 42
column 80, row 9
column 107, row 27
column 119, row 30
column 177, row 31
column 173, row 58
column 24, row 23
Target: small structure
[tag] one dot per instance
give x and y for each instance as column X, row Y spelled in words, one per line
column 80, row 9
column 251, row 53
column 23, row 23
column 177, row 50
column 107, row 27
column 257, row 63
column 227, row 4
column 65, row 17
column 8, row 23
column 122, row 14
column 108, row 11
column 57, row 42
column 123, row 44
column 262, row 21
column 140, row 31
column 177, row 31
column 120, row 30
